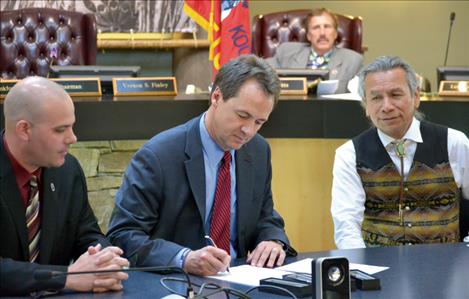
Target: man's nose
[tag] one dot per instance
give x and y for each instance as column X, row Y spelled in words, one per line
column 71, row 138
column 387, row 104
column 249, row 129
column 322, row 31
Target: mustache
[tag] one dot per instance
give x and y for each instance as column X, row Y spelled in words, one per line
column 322, row 38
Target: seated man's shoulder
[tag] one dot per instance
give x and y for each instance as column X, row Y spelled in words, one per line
column 345, row 148
column 70, row 166
column 349, row 53
column 292, row 46
column 257, row 143
column 171, row 141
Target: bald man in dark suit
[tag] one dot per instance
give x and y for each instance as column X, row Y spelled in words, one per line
column 45, row 226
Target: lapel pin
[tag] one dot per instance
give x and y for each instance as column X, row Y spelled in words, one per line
column 52, row 187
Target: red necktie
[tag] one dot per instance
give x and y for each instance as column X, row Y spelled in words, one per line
column 32, row 219
column 220, row 226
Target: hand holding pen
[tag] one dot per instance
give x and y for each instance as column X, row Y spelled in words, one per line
column 212, row 243
column 209, row 260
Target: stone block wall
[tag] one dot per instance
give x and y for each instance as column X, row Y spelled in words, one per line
column 104, row 163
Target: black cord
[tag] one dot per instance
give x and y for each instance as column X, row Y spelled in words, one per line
column 169, row 289
column 205, row 286
column 210, row 286
column 272, row 287
column 227, row 291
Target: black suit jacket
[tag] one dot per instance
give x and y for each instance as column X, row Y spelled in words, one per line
column 68, row 226
column 160, row 207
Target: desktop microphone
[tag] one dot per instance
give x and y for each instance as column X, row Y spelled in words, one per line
column 452, row 16
column 43, row 275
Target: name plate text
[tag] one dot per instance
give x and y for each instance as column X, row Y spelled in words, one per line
column 454, row 88
column 81, row 87
column 293, row 85
column 144, row 86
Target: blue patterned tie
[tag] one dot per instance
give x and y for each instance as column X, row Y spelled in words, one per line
column 316, row 61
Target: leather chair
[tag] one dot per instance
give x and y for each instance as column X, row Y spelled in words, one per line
column 270, row 30
column 30, row 36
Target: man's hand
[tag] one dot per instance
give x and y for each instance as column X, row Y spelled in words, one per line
column 98, row 259
column 268, row 254
column 207, row 261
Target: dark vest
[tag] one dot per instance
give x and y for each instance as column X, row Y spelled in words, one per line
column 431, row 197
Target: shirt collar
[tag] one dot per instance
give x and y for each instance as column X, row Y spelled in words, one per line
column 326, row 55
column 211, row 149
column 413, row 134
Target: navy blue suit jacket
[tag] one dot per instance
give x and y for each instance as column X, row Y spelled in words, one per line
column 160, row 207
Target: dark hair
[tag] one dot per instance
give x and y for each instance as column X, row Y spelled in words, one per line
column 236, row 72
column 319, row 12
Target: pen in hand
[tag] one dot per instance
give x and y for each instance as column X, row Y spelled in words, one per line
column 212, row 243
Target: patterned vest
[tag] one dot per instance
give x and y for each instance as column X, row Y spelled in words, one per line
column 431, row 196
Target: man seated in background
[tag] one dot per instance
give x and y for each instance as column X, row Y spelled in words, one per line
column 45, row 218
column 321, row 51
column 208, row 177
column 400, row 182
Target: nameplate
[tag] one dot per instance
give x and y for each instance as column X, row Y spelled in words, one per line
column 5, row 86
column 293, row 85
column 144, row 86
column 81, row 87
column 454, row 88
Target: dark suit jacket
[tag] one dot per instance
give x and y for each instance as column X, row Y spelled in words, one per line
column 343, row 66
column 160, row 207
column 68, row 226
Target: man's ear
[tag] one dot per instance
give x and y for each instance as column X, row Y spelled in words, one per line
column 216, row 97
column 23, row 130
column 367, row 113
column 417, row 98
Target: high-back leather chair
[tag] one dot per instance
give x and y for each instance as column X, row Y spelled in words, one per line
column 270, row 30
column 30, row 37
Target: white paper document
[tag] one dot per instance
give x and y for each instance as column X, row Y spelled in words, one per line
column 304, row 266
column 327, row 87
column 342, row 96
column 248, row 275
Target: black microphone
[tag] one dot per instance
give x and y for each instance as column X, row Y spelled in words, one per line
column 452, row 16
column 43, row 275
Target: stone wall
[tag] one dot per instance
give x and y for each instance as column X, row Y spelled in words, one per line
column 104, row 163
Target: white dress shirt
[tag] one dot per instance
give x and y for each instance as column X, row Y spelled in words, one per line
column 348, row 195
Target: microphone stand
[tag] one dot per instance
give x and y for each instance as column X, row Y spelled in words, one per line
column 451, row 20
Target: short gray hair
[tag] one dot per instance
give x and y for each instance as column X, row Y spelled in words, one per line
column 387, row 63
column 236, row 72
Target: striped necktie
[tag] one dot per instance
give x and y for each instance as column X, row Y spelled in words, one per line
column 220, row 224
column 32, row 219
